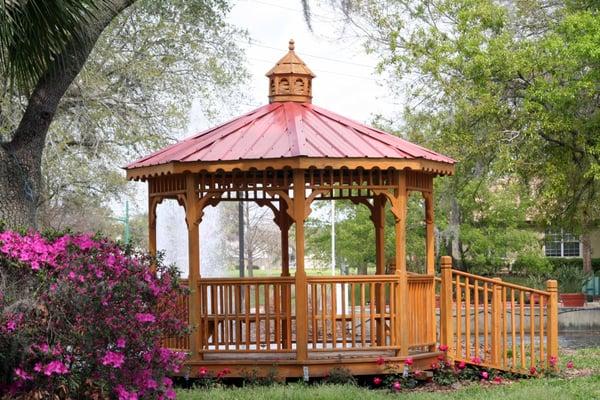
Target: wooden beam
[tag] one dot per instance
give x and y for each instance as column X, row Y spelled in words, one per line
column 400, row 200
column 193, row 220
column 430, row 234
column 552, row 347
column 446, row 305
column 299, row 204
column 378, row 218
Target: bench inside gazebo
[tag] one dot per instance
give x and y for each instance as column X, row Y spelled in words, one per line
column 286, row 155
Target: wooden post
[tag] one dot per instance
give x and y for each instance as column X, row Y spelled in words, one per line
column 552, row 335
column 430, row 256
column 497, row 316
column 193, row 221
column 400, row 194
column 429, row 238
column 300, row 281
column 378, row 217
column 446, row 306
column 152, row 204
column 284, row 227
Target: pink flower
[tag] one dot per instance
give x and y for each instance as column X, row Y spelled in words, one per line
column 151, row 384
column 123, row 394
column 396, row 386
column 145, row 317
column 476, row 360
column 380, row 360
column 170, row 394
column 462, row 365
column 570, row 364
column 533, row 370
column 121, row 343
column 497, row 379
column 55, row 367
column 485, row 375
column 553, row 360
column 202, row 372
column 443, row 347
column 377, row 381
column 113, row 359
column 11, row 325
column 409, row 361
column 38, row 367
column 23, row 375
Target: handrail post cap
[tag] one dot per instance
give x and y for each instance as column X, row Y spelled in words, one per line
column 552, row 285
column 446, row 262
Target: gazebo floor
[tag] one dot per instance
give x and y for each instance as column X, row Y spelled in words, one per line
column 318, row 364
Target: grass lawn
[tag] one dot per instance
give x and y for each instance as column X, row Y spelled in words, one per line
column 582, row 382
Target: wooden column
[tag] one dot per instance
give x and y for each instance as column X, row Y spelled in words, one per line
column 402, row 304
column 552, row 330
column 378, row 217
column 430, row 257
column 283, row 221
column 152, row 204
column 446, row 312
column 301, row 285
column 429, row 237
column 496, row 356
column 192, row 216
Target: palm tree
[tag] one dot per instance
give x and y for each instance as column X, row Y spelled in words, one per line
column 43, row 46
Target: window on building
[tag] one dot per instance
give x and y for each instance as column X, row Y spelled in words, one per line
column 561, row 244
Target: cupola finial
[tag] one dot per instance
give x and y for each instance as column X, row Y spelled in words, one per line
column 290, row 79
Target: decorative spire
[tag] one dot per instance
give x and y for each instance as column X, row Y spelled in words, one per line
column 290, row 79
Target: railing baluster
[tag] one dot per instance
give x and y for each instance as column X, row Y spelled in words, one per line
column 362, row 314
column 504, row 330
column 486, row 319
column 333, row 315
column 532, row 328
column 238, row 316
column 476, row 315
column 522, row 326
column 343, row 330
column 372, row 313
column 352, row 312
column 257, row 316
column 324, row 314
column 513, row 328
column 313, row 313
column 247, row 304
column 277, row 300
column 458, row 317
column 467, row 319
column 267, row 316
column 226, row 315
column 542, row 337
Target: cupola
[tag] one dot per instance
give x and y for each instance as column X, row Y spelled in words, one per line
column 290, row 79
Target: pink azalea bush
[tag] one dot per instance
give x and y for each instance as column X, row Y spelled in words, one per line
column 81, row 317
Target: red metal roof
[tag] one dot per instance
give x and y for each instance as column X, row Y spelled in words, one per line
column 289, row 129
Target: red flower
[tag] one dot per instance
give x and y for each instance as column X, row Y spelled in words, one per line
column 553, row 360
column 533, row 370
column 443, row 347
column 202, row 372
column 462, row 365
column 409, row 361
column 377, row 381
column 396, row 386
column 441, row 357
column 570, row 364
column 476, row 360
column 380, row 360
column 497, row 379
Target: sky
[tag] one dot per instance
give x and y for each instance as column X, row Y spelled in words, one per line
column 345, row 82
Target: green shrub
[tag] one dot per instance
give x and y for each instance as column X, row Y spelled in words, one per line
column 570, row 279
column 532, row 264
column 557, row 262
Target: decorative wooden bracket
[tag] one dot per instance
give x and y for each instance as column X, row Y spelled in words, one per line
column 196, row 211
column 428, row 196
column 395, row 204
column 290, row 201
column 154, row 202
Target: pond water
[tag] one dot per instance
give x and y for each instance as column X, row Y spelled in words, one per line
column 578, row 339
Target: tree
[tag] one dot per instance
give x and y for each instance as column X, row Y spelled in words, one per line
column 261, row 235
column 152, row 59
column 507, row 88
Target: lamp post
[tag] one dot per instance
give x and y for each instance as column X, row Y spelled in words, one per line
column 125, row 220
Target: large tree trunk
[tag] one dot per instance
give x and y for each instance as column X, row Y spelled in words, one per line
column 21, row 157
column 586, row 250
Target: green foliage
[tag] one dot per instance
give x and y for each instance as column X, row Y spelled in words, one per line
column 340, row 376
column 532, row 264
column 570, row 280
column 509, row 90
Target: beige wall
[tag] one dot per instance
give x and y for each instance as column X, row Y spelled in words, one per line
column 595, row 236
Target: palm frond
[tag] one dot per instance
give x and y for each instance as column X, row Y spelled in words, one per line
column 33, row 33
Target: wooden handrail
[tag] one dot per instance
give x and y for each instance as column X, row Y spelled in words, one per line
column 500, row 283
column 247, row 280
column 352, row 278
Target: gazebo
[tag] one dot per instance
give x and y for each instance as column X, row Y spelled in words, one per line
column 284, row 156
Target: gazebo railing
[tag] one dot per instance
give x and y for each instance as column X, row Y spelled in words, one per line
column 246, row 314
